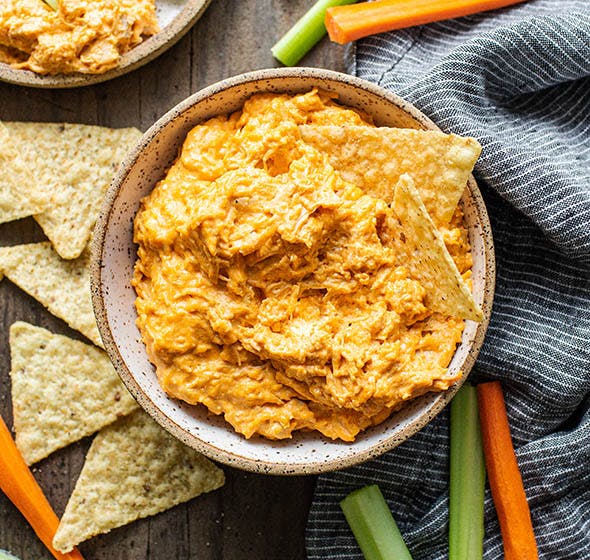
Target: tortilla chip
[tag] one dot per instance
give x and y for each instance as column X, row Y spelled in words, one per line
column 74, row 165
column 63, row 287
column 62, row 390
column 19, row 196
column 423, row 251
column 375, row 158
column 133, row 469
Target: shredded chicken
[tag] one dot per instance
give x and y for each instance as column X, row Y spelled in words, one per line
column 81, row 36
column 271, row 291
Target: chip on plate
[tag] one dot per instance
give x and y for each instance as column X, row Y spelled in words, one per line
column 63, row 287
column 423, row 251
column 375, row 158
column 19, row 195
column 133, row 469
column 62, row 390
column 73, row 164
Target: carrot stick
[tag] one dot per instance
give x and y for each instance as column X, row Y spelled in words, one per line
column 504, row 476
column 349, row 23
column 18, row 483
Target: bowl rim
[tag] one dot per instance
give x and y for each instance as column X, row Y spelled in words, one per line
column 138, row 56
column 440, row 400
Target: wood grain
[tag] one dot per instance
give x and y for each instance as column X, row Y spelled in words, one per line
column 252, row 516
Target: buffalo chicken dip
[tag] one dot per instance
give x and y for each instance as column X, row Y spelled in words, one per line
column 83, row 36
column 275, row 290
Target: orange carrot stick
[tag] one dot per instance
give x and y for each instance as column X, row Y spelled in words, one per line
column 18, row 483
column 349, row 23
column 504, row 476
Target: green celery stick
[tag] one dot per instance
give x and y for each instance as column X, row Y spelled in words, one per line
column 299, row 40
column 467, row 478
column 4, row 555
column 373, row 525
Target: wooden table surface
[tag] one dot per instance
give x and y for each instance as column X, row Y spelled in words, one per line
column 252, row 516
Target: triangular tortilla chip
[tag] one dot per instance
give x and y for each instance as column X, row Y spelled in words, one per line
column 375, row 158
column 74, row 164
column 62, row 390
column 423, row 251
column 63, row 287
column 19, row 196
column 133, row 469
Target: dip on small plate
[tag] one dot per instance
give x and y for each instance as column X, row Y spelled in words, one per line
column 83, row 43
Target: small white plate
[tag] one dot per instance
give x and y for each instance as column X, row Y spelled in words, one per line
column 176, row 17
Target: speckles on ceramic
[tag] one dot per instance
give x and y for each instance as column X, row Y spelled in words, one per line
column 185, row 13
column 113, row 258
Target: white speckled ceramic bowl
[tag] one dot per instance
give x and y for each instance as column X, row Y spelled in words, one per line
column 175, row 17
column 114, row 255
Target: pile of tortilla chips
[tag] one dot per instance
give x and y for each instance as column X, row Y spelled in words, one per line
column 63, row 389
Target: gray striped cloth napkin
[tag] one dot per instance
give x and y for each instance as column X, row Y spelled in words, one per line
column 518, row 80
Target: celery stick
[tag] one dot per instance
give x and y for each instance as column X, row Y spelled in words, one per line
column 299, row 40
column 467, row 479
column 373, row 525
column 4, row 555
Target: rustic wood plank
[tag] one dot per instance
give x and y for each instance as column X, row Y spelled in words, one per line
column 252, row 516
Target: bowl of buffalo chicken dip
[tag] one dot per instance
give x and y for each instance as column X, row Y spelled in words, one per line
column 294, row 270
column 70, row 43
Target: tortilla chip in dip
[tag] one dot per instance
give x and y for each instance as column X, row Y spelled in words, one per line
column 133, row 469
column 375, row 158
column 423, row 250
column 62, row 390
column 273, row 290
column 63, row 287
column 72, row 165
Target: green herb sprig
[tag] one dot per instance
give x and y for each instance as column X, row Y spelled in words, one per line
column 53, row 4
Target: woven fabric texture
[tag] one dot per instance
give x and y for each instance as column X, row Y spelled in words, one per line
column 518, row 80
